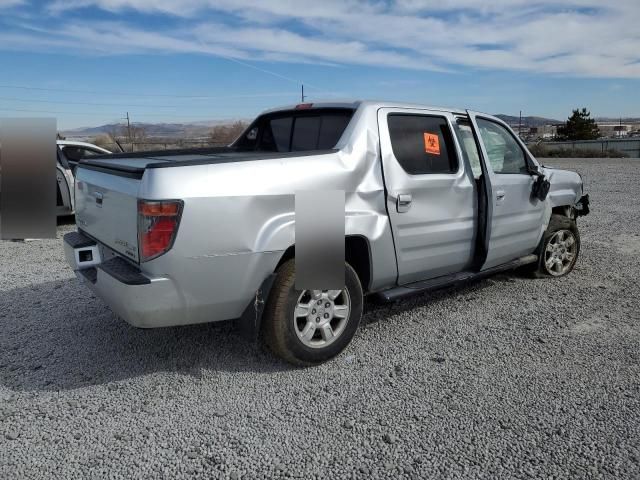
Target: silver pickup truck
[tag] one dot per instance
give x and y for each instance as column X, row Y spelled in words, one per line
column 433, row 197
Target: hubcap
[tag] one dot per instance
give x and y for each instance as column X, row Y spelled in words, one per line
column 560, row 252
column 321, row 316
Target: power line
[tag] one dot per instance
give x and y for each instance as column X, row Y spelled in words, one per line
column 97, row 104
column 101, row 104
column 161, row 115
column 164, row 95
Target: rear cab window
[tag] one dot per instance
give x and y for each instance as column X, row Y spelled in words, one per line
column 422, row 144
column 296, row 130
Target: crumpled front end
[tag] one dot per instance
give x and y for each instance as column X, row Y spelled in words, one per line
column 567, row 190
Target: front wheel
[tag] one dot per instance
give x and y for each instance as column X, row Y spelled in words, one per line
column 308, row 327
column 560, row 247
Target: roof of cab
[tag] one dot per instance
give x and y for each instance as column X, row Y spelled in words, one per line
column 364, row 103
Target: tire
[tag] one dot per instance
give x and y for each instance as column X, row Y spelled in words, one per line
column 305, row 340
column 561, row 239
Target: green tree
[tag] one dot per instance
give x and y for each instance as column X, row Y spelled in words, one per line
column 579, row 126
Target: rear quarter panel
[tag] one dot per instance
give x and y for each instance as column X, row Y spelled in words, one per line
column 239, row 218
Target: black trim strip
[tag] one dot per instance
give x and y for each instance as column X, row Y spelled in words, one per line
column 454, row 279
column 124, row 272
column 161, row 153
column 228, row 156
column 78, row 240
column 247, row 157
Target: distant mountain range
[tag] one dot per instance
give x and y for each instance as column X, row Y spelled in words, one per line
column 163, row 130
column 202, row 129
column 527, row 121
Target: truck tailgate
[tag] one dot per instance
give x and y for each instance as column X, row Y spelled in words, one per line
column 107, row 208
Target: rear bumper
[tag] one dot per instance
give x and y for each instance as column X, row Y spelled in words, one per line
column 141, row 300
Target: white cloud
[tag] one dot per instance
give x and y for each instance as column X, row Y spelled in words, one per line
column 10, row 3
column 579, row 37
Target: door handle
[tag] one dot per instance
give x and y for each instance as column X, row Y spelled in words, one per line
column 500, row 196
column 403, row 202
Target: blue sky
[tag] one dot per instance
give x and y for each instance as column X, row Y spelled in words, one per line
column 88, row 62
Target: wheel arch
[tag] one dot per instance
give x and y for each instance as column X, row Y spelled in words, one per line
column 357, row 253
column 564, row 210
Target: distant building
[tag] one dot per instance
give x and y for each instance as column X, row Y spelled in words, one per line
column 541, row 132
column 544, row 132
column 618, row 129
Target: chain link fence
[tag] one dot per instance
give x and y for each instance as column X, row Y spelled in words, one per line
column 631, row 146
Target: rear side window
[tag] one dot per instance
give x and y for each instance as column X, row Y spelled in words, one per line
column 296, row 131
column 422, row 144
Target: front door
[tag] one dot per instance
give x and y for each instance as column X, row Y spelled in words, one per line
column 516, row 217
column 430, row 195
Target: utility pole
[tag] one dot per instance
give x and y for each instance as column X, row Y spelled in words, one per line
column 128, row 127
column 129, row 131
column 520, row 125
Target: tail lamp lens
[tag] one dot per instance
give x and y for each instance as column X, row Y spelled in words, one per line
column 157, row 226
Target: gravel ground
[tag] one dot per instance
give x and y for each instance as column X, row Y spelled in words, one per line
column 507, row 378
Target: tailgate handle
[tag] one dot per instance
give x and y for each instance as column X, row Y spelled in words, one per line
column 98, row 196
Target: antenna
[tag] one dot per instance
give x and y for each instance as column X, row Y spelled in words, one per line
column 302, row 95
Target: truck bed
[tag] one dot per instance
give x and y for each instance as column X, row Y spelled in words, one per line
column 133, row 165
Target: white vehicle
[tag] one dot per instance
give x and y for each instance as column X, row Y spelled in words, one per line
column 69, row 154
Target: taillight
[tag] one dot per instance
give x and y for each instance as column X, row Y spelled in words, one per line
column 157, row 226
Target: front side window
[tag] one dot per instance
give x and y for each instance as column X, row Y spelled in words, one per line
column 505, row 154
column 422, row 144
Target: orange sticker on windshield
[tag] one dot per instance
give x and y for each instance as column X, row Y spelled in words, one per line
column 431, row 143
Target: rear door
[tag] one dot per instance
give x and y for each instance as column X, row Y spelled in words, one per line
column 516, row 217
column 430, row 195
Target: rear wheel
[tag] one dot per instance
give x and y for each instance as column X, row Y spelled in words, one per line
column 307, row 327
column 560, row 247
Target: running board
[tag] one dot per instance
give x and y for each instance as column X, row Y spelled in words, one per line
column 397, row 293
